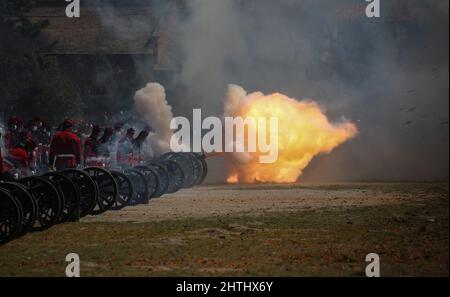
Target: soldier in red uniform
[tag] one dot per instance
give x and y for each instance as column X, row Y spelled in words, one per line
column 41, row 134
column 19, row 157
column 125, row 148
column 46, row 133
column 91, row 145
column 33, row 127
column 65, row 148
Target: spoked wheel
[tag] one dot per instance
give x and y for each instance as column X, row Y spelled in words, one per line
column 87, row 189
column 175, row 173
column 141, row 192
column 163, row 177
column 27, row 202
column 125, row 190
column 108, row 189
column 186, row 164
column 204, row 166
column 49, row 202
column 70, row 192
column 152, row 178
column 61, row 197
column 10, row 217
column 198, row 168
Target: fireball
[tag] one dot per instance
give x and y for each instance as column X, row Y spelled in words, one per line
column 304, row 131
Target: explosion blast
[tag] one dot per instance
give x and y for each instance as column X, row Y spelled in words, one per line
column 304, row 131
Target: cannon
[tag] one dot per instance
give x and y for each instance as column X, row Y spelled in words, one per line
column 35, row 203
column 49, row 200
column 71, row 193
column 10, row 216
column 27, row 202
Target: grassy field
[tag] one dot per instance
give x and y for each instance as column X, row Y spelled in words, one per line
column 411, row 239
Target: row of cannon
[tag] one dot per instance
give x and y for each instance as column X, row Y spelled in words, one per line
column 39, row 202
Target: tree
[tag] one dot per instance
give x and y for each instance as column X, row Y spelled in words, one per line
column 31, row 82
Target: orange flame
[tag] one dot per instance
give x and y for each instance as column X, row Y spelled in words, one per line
column 232, row 179
column 303, row 132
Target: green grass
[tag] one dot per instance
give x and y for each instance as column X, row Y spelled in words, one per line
column 411, row 239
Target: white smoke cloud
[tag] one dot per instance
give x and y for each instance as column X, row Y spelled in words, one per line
column 234, row 98
column 372, row 71
column 152, row 106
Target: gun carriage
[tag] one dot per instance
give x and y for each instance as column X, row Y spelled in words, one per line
column 37, row 202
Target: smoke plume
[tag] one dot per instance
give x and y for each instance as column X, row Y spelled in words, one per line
column 388, row 74
column 152, row 106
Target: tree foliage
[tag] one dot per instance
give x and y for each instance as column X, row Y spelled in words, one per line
column 31, row 82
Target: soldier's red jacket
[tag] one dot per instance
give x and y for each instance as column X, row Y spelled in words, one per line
column 65, row 143
column 20, row 156
column 90, row 148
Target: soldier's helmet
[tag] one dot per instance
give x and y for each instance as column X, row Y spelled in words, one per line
column 68, row 124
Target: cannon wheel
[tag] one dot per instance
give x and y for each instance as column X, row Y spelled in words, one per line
column 186, row 164
column 27, row 202
column 152, row 178
column 198, row 168
column 125, row 189
column 10, row 216
column 162, row 174
column 108, row 190
column 49, row 202
column 87, row 189
column 69, row 190
column 175, row 173
column 60, row 194
column 140, row 186
column 204, row 167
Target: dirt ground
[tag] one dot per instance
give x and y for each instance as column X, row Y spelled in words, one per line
column 224, row 200
column 252, row 230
